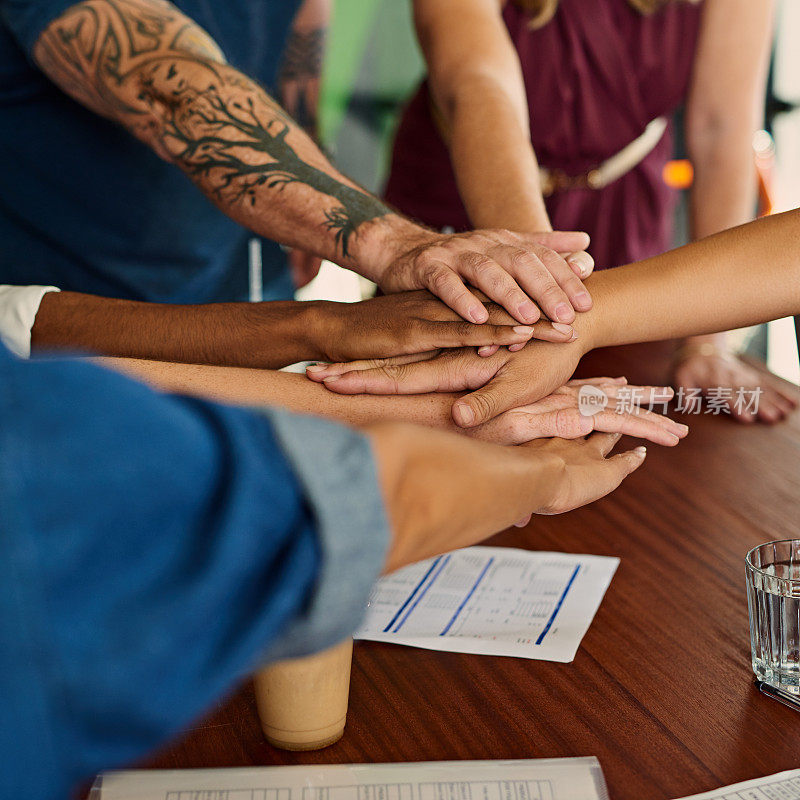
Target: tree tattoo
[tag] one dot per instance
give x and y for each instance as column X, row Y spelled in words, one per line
column 147, row 66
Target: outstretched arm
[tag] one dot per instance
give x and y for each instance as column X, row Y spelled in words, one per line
column 743, row 276
column 150, row 68
column 481, row 106
column 479, row 91
column 272, row 334
column 556, row 415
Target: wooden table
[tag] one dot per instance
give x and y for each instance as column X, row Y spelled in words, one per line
column 660, row 690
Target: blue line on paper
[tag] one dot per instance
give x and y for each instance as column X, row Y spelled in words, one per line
column 408, row 599
column 558, row 606
column 423, row 592
column 469, row 594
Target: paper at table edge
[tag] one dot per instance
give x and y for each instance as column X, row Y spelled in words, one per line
column 723, row 792
column 585, row 769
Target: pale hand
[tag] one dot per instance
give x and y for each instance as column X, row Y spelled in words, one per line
column 522, row 272
column 560, row 415
column 495, row 384
column 587, row 473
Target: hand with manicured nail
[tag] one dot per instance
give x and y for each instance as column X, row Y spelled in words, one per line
column 496, row 383
column 414, row 322
column 589, row 473
column 523, row 273
column 441, row 490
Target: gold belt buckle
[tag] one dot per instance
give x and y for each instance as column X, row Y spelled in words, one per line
column 556, row 180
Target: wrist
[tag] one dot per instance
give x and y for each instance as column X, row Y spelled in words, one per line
column 591, row 325
column 382, row 240
column 586, row 326
column 283, row 333
column 324, row 330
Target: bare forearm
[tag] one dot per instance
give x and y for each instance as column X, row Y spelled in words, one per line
column 723, row 193
column 724, row 190
column 235, row 334
column 739, row 277
column 494, row 163
column 256, row 387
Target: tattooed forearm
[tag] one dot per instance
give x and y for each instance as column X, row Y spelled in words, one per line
column 299, row 77
column 146, row 65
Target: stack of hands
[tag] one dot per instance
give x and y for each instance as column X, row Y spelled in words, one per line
column 507, row 351
column 514, row 359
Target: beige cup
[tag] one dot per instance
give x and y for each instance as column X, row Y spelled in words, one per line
column 302, row 703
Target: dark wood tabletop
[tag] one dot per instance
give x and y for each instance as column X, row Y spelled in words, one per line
column 661, row 688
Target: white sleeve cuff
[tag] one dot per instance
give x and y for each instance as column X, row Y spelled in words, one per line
column 18, row 308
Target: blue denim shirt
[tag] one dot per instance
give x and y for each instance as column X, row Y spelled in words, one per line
column 88, row 208
column 154, row 550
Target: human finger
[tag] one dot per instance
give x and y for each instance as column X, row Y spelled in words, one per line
column 436, row 375
column 581, row 263
column 560, row 241
column 502, row 392
column 655, row 428
column 317, row 372
column 440, row 279
column 491, row 274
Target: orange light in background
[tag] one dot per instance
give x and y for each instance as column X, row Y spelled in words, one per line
column 678, row 174
column 764, row 150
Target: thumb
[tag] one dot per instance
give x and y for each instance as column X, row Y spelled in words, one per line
column 500, row 394
column 626, row 463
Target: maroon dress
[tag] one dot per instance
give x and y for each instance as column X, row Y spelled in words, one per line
column 595, row 76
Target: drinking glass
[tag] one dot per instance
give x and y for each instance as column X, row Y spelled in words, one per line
column 773, row 600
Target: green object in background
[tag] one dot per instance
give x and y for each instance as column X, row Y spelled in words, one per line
column 372, row 63
column 350, row 28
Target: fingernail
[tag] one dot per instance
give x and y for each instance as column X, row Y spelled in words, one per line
column 562, row 311
column 465, row 416
column 583, row 300
column 478, row 314
column 576, row 266
column 527, row 310
column 316, row 367
column 513, row 348
column 574, row 336
column 482, row 351
column 641, row 451
column 562, row 328
column 682, row 428
column 331, row 378
column 525, row 330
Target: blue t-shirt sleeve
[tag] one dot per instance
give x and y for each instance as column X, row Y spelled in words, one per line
column 157, row 550
column 26, row 19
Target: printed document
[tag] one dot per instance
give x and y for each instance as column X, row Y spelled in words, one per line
column 781, row 786
column 493, row 600
column 545, row 779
